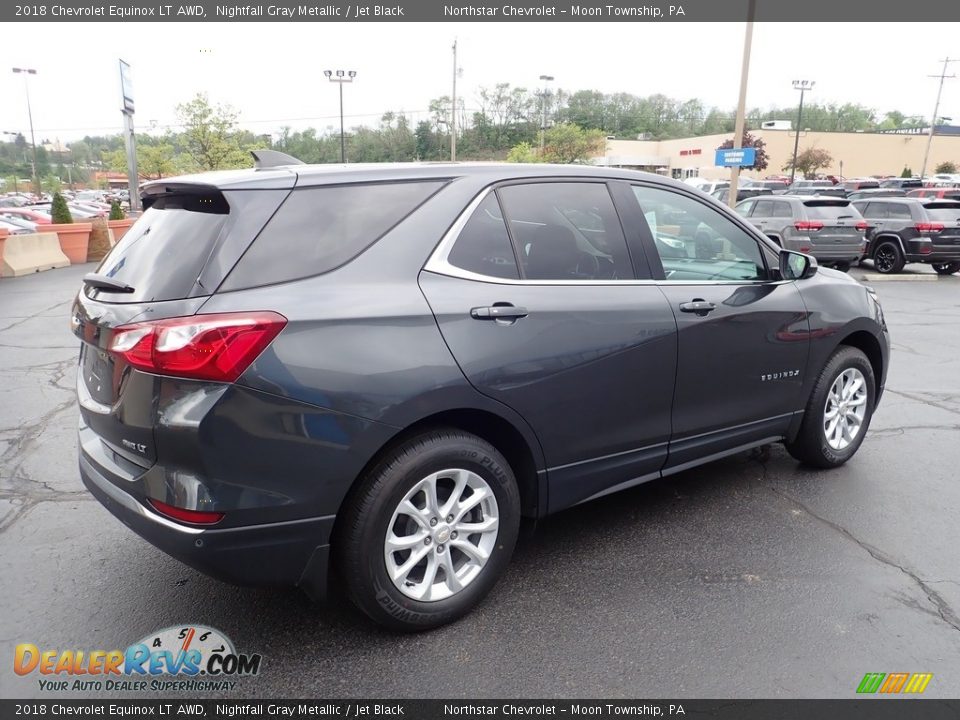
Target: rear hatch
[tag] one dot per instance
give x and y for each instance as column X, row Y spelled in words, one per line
column 945, row 213
column 833, row 225
column 166, row 266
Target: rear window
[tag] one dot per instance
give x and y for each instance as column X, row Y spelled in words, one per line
column 949, row 212
column 832, row 211
column 161, row 256
column 318, row 229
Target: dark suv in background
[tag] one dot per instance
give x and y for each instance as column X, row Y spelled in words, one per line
column 912, row 230
column 389, row 365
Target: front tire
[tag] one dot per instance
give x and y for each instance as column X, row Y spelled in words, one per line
column 838, row 412
column 946, row 268
column 429, row 530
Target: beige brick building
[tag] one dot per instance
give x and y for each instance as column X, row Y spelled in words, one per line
column 862, row 154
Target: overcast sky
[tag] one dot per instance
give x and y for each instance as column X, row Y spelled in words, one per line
column 273, row 72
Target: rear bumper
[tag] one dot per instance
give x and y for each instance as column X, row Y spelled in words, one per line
column 281, row 553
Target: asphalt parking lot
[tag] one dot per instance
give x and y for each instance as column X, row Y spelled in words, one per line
column 751, row 577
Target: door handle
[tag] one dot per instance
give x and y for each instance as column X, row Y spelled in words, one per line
column 498, row 312
column 699, row 306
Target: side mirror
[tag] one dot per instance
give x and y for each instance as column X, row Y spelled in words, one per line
column 797, row 266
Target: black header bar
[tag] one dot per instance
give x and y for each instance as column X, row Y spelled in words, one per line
column 851, row 11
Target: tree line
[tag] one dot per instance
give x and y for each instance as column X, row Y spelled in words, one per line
column 503, row 122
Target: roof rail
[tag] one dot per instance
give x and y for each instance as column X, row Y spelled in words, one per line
column 264, row 159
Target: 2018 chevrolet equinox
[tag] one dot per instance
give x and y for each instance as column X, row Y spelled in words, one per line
column 382, row 368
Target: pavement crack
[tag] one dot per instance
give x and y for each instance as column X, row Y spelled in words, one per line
column 940, row 605
column 36, row 314
column 925, row 401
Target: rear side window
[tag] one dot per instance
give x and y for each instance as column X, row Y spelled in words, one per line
column 319, row 229
column 566, row 231
column 897, row 211
column 161, row 256
column 483, row 246
column 944, row 212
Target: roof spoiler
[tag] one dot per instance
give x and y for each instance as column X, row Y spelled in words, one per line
column 265, row 159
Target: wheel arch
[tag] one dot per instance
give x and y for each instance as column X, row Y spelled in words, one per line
column 880, row 239
column 524, row 460
column 869, row 346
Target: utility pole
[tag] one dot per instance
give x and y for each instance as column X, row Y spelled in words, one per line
column 741, row 104
column 340, row 77
column 453, row 108
column 936, row 108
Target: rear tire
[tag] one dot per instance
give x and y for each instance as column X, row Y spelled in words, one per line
column 394, row 515
column 946, row 268
column 887, row 258
column 833, row 427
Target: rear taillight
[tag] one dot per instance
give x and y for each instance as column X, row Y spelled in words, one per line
column 215, row 347
column 861, row 226
column 928, row 227
column 195, row 517
column 808, row 225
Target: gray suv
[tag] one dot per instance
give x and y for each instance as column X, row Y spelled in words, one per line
column 382, row 368
column 912, row 230
column 830, row 229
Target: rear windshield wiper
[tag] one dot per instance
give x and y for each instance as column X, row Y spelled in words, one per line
column 103, row 282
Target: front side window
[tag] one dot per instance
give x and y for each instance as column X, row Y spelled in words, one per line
column 566, row 231
column 696, row 242
column 764, row 209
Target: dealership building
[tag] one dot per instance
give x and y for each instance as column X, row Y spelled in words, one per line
column 855, row 154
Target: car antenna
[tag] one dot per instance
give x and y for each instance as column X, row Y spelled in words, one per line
column 264, row 159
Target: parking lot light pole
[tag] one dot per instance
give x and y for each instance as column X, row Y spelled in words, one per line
column 341, row 77
column 936, row 108
column 14, row 136
column 740, row 124
column 26, row 72
column 547, row 79
column 802, row 86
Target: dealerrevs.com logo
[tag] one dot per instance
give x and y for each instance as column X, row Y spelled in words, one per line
column 185, row 657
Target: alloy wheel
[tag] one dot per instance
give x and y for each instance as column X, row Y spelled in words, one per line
column 845, row 409
column 885, row 258
column 441, row 535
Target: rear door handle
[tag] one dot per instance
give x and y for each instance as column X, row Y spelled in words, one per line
column 498, row 312
column 700, row 307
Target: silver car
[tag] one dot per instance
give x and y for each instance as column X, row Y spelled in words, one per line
column 829, row 228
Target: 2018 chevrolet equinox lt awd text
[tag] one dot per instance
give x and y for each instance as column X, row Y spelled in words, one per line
column 382, row 368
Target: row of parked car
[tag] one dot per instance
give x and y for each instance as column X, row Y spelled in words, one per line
column 26, row 214
column 890, row 231
column 887, row 221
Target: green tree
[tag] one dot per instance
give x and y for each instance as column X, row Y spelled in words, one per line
column 565, row 143
column 116, row 212
column 749, row 141
column 810, row 160
column 59, row 212
column 210, row 135
column 906, row 172
column 947, row 168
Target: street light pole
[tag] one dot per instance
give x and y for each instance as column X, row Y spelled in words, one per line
column 453, row 109
column 740, row 123
column 15, row 173
column 341, row 77
column 547, row 79
column 802, row 86
column 33, row 142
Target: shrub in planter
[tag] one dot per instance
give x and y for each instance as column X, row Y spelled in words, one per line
column 74, row 237
column 59, row 212
column 118, row 221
